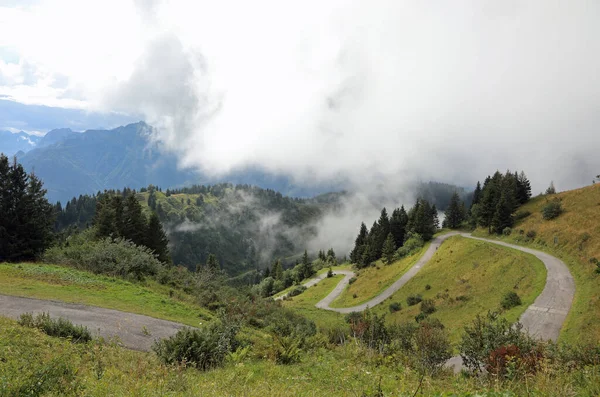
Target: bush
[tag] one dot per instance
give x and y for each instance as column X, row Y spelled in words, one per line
column 507, row 231
column 413, row 243
column 60, row 327
column 203, row 349
column 531, row 234
column 115, row 258
column 486, row 334
column 551, row 210
column 510, row 300
column 412, row 300
column 522, row 215
column 428, row 306
column 427, row 287
column 352, row 280
column 329, row 273
column 395, row 307
column 297, row 291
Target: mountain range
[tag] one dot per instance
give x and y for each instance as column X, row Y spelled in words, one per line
column 73, row 163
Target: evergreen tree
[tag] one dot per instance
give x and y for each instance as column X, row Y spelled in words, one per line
column 551, row 189
column 372, row 243
column 212, row 262
column 366, row 258
column 134, row 221
column 523, row 188
column 476, row 195
column 398, row 226
column 503, row 215
column 277, row 271
column 383, row 229
column 331, row 256
column 359, row 243
column 455, row 213
column 306, row 269
column 26, row 217
column 389, row 248
column 156, row 239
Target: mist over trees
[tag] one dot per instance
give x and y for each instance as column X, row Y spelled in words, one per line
column 388, row 235
column 494, row 204
column 26, row 217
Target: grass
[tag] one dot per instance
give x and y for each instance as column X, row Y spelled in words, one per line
column 574, row 237
column 32, row 363
column 304, row 303
column 345, row 266
column 75, row 286
column 373, row 280
column 478, row 274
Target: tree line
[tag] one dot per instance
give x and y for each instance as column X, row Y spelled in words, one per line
column 388, row 234
column 26, row 217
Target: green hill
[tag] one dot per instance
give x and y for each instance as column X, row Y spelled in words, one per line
column 574, row 237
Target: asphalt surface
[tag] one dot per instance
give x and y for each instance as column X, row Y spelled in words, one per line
column 133, row 331
column 543, row 319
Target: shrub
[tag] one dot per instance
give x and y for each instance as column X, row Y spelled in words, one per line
column 522, row 215
column 551, row 210
column 287, row 350
column 115, row 258
column 531, row 234
column 395, row 307
column 412, row 300
column 510, row 300
column 420, row 317
column 432, row 347
column 329, row 273
column 203, row 349
column 507, row 231
column 428, row 306
column 352, row 280
column 297, row 291
column 60, row 327
column 486, row 334
column 427, row 287
column 413, row 243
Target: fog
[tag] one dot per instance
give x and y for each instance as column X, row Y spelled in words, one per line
column 377, row 94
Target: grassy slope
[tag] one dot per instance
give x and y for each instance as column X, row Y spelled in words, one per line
column 324, row 270
column 305, row 303
column 74, row 286
column 480, row 271
column 565, row 238
column 375, row 279
column 30, row 358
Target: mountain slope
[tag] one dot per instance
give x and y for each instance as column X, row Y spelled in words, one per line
column 11, row 143
column 574, row 237
column 101, row 159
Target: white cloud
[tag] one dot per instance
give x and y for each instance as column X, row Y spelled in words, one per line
column 380, row 91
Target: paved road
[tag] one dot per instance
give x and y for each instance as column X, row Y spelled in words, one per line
column 543, row 319
column 127, row 327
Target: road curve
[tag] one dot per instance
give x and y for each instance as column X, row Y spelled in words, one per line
column 133, row 331
column 325, row 302
column 542, row 319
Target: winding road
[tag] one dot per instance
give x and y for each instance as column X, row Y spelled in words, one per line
column 543, row 319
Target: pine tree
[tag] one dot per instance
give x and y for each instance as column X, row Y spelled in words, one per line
column 212, row 262
column 455, row 213
column 306, row 269
column 156, row 239
column 476, row 195
column 551, row 189
column 398, row 226
column 523, row 188
column 134, row 221
column 105, row 218
column 389, row 248
column 361, row 240
column 277, row 270
column 383, row 229
column 331, row 256
column 26, row 217
column 503, row 215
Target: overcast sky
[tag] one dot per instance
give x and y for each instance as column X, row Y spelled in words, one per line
column 370, row 91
